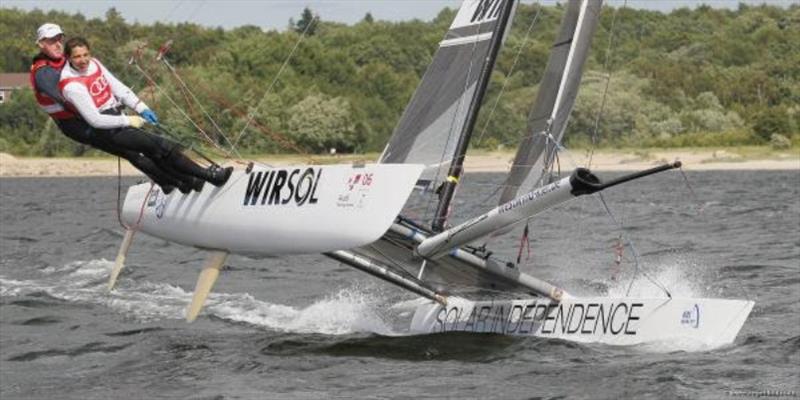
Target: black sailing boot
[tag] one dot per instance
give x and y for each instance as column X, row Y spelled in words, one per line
column 217, row 175
column 185, row 188
column 197, row 184
column 191, row 183
column 167, row 189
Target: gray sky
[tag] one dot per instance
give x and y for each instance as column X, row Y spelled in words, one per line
column 275, row 14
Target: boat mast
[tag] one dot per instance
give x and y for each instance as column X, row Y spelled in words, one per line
column 447, row 190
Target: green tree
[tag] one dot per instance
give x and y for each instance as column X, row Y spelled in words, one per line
column 770, row 121
column 307, row 23
column 320, row 123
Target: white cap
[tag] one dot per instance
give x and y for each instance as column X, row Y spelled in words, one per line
column 47, row 31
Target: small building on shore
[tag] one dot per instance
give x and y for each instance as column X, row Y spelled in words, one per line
column 10, row 82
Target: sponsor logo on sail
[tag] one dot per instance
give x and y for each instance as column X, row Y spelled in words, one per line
column 282, row 186
column 486, row 9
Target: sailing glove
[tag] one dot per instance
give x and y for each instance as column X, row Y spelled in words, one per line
column 135, row 121
column 149, row 116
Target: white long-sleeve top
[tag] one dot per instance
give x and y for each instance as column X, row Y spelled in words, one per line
column 78, row 95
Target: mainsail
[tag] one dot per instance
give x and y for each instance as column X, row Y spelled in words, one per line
column 557, row 91
column 448, row 97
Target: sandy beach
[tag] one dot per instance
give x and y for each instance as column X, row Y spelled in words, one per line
column 693, row 160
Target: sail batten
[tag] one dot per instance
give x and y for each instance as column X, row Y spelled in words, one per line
column 466, row 39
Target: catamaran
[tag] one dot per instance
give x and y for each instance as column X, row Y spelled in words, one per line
column 354, row 213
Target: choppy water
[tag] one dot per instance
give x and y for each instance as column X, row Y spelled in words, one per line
column 306, row 327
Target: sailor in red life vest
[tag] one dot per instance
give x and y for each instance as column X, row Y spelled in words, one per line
column 96, row 98
column 45, row 74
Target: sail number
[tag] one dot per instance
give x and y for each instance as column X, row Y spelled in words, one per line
column 486, row 9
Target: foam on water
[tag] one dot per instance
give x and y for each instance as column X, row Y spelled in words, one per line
column 673, row 274
column 349, row 311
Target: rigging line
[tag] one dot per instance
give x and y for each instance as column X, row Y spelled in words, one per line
column 252, row 114
column 134, row 61
column 119, row 193
column 606, row 67
column 196, row 100
column 177, row 107
column 183, row 90
column 691, row 191
column 510, row 73
column 199, row 5
column 277, row 137
column 169, row 14
column 119, row 200
column 394, row 264
column 635, row 252
column 191, row 111
column 431, row 200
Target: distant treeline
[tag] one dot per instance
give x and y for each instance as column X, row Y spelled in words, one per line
column 692, row 77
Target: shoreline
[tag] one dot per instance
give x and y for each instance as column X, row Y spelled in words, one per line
column 603, row 160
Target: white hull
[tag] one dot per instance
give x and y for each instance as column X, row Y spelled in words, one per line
column 623, row 322
column 287, row 210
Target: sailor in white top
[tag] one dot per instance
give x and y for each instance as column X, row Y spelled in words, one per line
column 98, row 97
column 94, row 90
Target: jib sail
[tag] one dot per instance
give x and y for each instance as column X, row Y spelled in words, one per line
column 557, row 91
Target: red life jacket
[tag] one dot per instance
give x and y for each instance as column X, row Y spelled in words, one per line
column 96, row 84
column 46, row 103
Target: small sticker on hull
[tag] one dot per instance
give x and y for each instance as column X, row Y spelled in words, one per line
column 355, row 191
column 691, row 317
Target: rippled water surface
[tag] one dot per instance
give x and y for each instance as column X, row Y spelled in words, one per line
column 306, row 327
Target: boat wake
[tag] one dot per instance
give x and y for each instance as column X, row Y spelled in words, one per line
column 350, row 310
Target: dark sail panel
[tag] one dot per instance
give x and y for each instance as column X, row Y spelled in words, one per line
column 557, row 91
column 434, row 120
